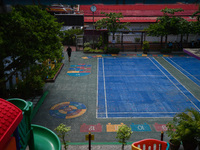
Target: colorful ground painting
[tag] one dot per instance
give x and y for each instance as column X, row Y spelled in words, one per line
column 67, row 110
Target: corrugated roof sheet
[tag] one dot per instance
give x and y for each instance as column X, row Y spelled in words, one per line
column 133, row 19
column 137, row 12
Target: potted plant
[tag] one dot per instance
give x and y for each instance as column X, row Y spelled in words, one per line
column 186, row 127
column 174, row 141
column 145, row 47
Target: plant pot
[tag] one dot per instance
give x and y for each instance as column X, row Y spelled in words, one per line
column 174, row 144
column 190, row 144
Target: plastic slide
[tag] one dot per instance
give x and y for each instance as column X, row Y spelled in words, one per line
column 45, row 139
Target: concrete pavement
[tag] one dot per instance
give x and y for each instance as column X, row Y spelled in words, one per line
column 82, row 91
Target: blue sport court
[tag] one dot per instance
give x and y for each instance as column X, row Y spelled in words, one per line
column 142, row 87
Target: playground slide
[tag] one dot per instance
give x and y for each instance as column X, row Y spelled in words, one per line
column 45, row 139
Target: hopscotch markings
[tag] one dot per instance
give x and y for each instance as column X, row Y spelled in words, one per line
column 79, row 70
column 113, row 127
column 160, row 127
column 140, row 127
column 85, row 58
column 91, row 128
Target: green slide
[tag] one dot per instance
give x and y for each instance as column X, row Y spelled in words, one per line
column 45, row 139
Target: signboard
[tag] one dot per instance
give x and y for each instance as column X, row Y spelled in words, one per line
column 87, row 137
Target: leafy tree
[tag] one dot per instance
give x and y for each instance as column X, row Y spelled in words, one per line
column 196, row 25
column 197, row 14
column 185, row 27
column 69, row 36
column 62, row 131
column 123, row 134
column 29, row 35
column 111, row 23
column 166, row 25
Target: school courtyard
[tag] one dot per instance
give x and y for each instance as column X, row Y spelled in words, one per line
column 99, row 92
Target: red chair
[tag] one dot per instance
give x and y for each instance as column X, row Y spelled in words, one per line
column 152, row 143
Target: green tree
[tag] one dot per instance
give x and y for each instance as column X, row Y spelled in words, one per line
column 123, row 134
column 197, row 14
column 29, row 35
column 62, row 131
column 166, row 25
column 69, row 36
column 185, row 28
column 111, row 23
column 196, row 25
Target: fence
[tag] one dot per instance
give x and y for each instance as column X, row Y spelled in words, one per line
column 132, row 41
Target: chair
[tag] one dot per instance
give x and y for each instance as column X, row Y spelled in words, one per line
column 152, row 143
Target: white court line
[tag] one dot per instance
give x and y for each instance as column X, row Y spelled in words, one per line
column 174, row 83
column 140, row 112
column 134, row 75
column 104, row 82
column 106, row 113
column 185, row 71
column 189, row 79
column 97, row 88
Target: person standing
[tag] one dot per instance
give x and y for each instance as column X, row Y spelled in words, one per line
column 69, row 51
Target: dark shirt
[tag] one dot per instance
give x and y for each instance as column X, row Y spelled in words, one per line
column 69, row 50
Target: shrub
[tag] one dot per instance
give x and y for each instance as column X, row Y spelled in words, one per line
column 87, row 49
column 87, row 44
column 145, row 45
column 28, row 87
column 137, row 40
column 52, row 73
column 113, row 50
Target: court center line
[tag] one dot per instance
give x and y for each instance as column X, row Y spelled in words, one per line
column 104, row 82
column 174, row 83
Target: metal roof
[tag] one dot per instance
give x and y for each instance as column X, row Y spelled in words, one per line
column 137, row 12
